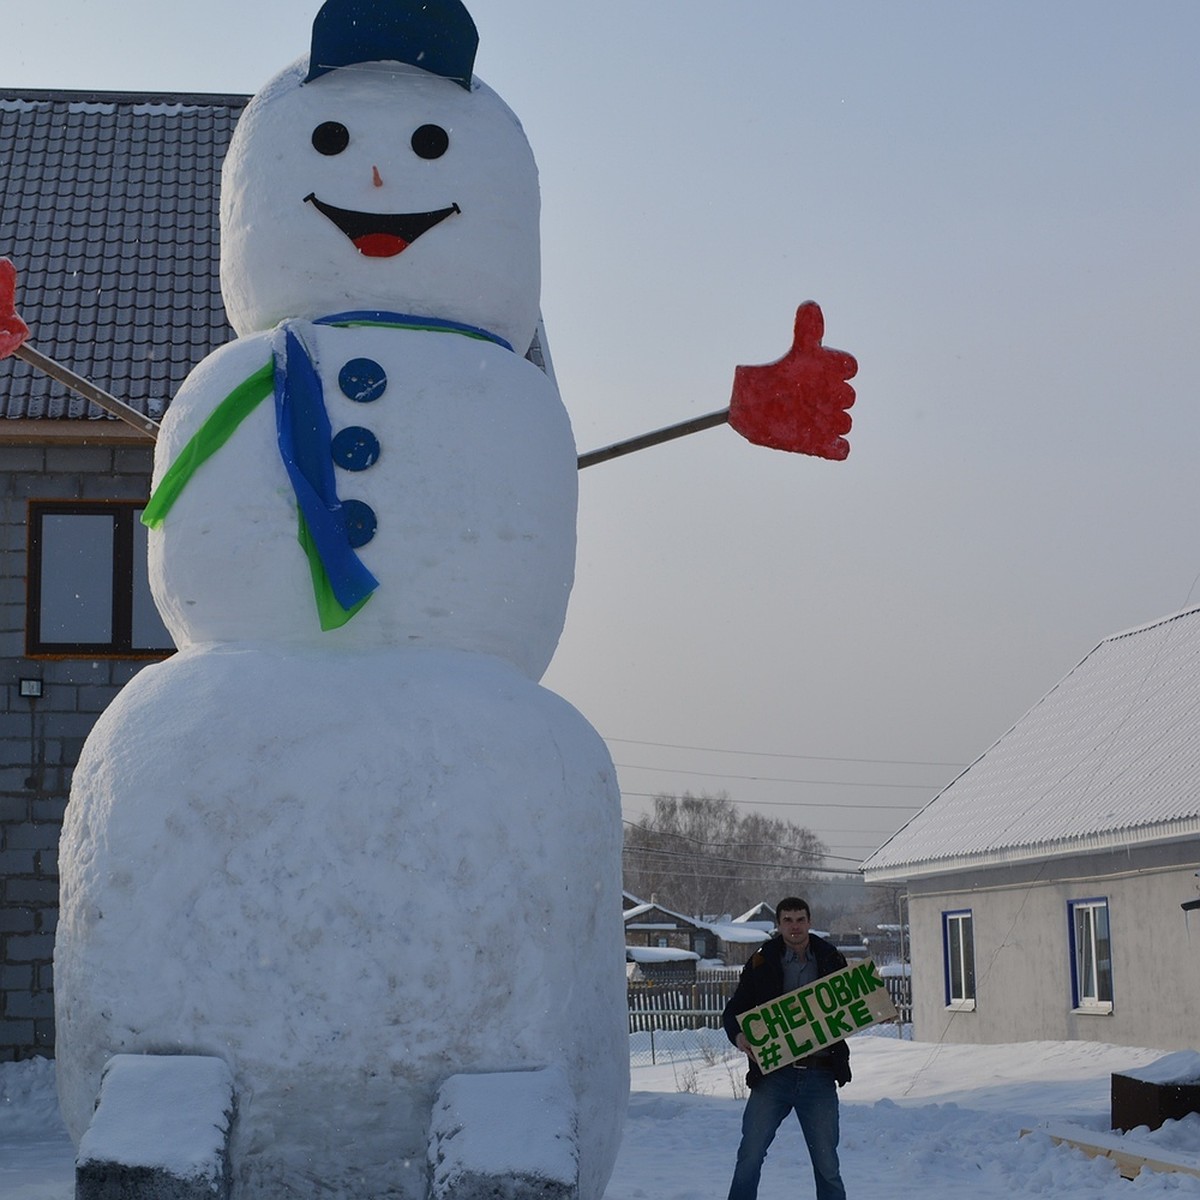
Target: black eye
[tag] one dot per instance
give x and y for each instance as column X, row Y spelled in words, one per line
column 430, row 141
column 330, row 137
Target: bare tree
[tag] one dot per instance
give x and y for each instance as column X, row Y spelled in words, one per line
column 700, row 856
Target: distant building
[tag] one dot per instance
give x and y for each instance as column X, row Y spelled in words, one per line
column 651, row 925
column 1047, row 883
column 648, row 924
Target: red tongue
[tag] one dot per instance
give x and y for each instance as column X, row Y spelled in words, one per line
column 380, row 245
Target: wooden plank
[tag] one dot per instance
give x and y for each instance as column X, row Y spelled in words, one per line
column 1128, row 1157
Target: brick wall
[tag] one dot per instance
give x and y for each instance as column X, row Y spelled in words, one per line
column 40, row 739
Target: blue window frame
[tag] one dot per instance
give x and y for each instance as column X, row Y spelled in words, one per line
column 958, row 945
column 1091, row 955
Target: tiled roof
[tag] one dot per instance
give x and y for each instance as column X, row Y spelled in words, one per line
column 1108, row 759
column 109, row 209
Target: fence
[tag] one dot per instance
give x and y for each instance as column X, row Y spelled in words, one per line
column 664, row 1006
column 900, row 989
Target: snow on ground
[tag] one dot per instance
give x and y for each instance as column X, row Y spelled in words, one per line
column 37, row 1161
column 938, row 1122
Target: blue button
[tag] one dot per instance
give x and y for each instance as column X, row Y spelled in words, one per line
column 355, row 448
column 363, row 380
column 360, row 522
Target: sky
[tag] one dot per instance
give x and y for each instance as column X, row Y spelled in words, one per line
column 946, row 1118
column 998, row 209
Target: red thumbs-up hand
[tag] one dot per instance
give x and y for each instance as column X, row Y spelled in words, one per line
column 13, row 331
column 798, row 403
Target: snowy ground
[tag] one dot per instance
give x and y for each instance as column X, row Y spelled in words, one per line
column 938, row 1122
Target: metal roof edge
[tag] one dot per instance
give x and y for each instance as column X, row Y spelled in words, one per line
column 72, row 96
column 1117, row 839
column 1166, row 619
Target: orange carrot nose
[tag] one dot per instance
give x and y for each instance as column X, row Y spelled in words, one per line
column 376, row 178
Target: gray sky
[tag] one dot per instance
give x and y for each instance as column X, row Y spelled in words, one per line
column 997, row 207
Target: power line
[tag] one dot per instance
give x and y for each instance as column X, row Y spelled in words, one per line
column 890, row 762
column 713, row 859
column 741, row 876
column 728, row 861
column 849, row 876
column 798, row 803
column 740, row 845
column 717, row 861
column 916, row 787
column 871, row 831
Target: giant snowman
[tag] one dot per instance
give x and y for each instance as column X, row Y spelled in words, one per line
column 343, row 839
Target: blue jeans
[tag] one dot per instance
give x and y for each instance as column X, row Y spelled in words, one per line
column 812, row 1095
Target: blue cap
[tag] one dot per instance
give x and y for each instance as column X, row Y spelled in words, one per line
column 435, row 35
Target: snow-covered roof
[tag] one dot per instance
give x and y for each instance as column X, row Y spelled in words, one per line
column 108, row 208
column 658, row 954
column 761, row 914
column 1109, row 758
column 678, row 919
column 1181, row 1069
column 640, row 910
column 745, row 934
column 727, row 931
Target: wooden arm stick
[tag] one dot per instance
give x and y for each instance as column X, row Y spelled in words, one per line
column 89, row 391
column 617, row 449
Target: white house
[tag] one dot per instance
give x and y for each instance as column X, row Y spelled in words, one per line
column 1048, row 882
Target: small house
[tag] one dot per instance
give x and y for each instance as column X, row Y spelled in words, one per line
column 1049, row 884
column 651, row 925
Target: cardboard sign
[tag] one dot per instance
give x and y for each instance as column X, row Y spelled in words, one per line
column 816, row 1015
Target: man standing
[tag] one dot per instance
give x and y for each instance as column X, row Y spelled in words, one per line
column 792, row 958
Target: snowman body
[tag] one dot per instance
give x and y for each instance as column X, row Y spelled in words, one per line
column 463, row 454
column 358, row 860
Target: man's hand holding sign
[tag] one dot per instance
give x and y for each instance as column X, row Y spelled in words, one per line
column 802, row 1022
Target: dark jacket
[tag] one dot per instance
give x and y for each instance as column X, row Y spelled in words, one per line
column 762, row 981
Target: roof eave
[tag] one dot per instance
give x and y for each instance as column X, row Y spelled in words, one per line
column 33, row 431
column 92, row 96
column 1009, row 856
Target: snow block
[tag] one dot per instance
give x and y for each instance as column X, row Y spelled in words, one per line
column 161, row 1131
column 508, row 1135
column 1166, row 1089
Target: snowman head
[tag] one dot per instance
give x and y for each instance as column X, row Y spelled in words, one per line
column 360, row 180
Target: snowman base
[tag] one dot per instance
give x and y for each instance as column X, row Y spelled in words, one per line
column 161, row 1131
column 345, row 930
column 505, row 1135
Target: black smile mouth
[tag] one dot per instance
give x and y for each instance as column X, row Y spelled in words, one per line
column 381, row 235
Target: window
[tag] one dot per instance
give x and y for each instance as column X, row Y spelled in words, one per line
column 1091, row 956
column 959, row 948
column 89, row 594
